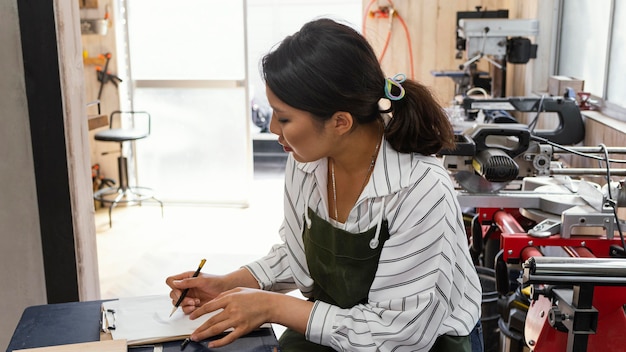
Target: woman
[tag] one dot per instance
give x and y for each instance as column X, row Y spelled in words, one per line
column 373, row 234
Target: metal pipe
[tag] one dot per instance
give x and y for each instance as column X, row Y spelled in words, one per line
column 595, row 150
column 578, row 252
column 562, row 266
column 530, row 252
column 507, row 223
column 587, row 171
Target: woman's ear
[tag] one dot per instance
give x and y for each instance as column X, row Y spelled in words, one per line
column 342, row 122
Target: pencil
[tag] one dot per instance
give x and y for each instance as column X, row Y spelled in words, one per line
column 182, row 296
column 185, row 343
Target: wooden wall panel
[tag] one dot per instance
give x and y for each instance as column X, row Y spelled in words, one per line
column 431, row 26
column 599, row 129
column 94, row 46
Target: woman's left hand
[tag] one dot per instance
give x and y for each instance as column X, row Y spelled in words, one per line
column 243, row 310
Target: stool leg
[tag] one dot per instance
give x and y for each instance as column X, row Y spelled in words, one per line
column 122, row 173
column 161, row 203
column 114, row 204
column 124, row 193
column 122, row 170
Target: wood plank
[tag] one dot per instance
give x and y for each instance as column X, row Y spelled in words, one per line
column 99, row 346
column 72, row 82
column 97, row 121
column 88, row 4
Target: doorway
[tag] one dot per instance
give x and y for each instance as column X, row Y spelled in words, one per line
column 187, row 64
column 195, row 66
column 154, row 247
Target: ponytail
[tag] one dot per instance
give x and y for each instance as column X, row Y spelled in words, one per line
column 418, row 124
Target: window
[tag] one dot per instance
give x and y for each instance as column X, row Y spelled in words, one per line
column 270, row 21
column 616, row 90
column 592, row 47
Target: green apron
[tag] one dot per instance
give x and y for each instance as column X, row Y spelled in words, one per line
column 343, row 267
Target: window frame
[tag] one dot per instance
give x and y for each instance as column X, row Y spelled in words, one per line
column 615, row 110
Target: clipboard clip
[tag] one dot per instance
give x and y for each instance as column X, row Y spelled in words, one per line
column 107, row 322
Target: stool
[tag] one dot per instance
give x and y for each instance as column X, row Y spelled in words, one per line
column 124, row 193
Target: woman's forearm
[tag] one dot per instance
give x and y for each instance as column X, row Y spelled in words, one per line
column 240, row 278
column 291, row 312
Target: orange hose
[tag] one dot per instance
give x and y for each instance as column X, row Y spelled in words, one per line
column 366, row 13
column 409, row 45
column 388, row 39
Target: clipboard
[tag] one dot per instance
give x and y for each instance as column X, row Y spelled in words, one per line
column 145, row 320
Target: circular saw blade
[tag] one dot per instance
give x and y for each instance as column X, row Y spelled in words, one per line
column 474, row 183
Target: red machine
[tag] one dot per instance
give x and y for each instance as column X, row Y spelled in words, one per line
column 576, row 302
column 555, row 243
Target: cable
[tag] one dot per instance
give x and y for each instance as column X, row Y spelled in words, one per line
column 612, row 203
column 478, row 89
column 608, row 168
column 546, row 141
column 388, row 39
column 409, row 45
column 365, row 15
column 392, row 14
column 533, row 123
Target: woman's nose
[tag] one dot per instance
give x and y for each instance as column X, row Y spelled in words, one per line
column 274, row 127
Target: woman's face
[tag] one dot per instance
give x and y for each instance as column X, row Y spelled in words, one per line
column 297, row 130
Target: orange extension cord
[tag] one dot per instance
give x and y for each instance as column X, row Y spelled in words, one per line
column 393, row 14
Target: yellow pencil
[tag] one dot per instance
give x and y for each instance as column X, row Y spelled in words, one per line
column 182, row 296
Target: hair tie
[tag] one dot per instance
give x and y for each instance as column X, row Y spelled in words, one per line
column 395, row 81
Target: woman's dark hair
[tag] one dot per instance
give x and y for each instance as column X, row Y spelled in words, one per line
column 328, row 67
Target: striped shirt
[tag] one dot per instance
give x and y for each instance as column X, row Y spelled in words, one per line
column 425, row 285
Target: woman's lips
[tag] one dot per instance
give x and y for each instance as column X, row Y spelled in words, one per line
column 286, row 148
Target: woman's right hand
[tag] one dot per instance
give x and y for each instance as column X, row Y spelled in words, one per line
column 202, row 289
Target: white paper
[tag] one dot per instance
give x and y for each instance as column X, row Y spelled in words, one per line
column 145, row 319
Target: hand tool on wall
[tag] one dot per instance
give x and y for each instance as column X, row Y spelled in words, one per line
column 105, row 76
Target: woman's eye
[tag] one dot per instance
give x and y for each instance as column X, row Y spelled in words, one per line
column 280, row 119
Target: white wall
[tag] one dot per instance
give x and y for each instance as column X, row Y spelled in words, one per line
column 22, row 274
